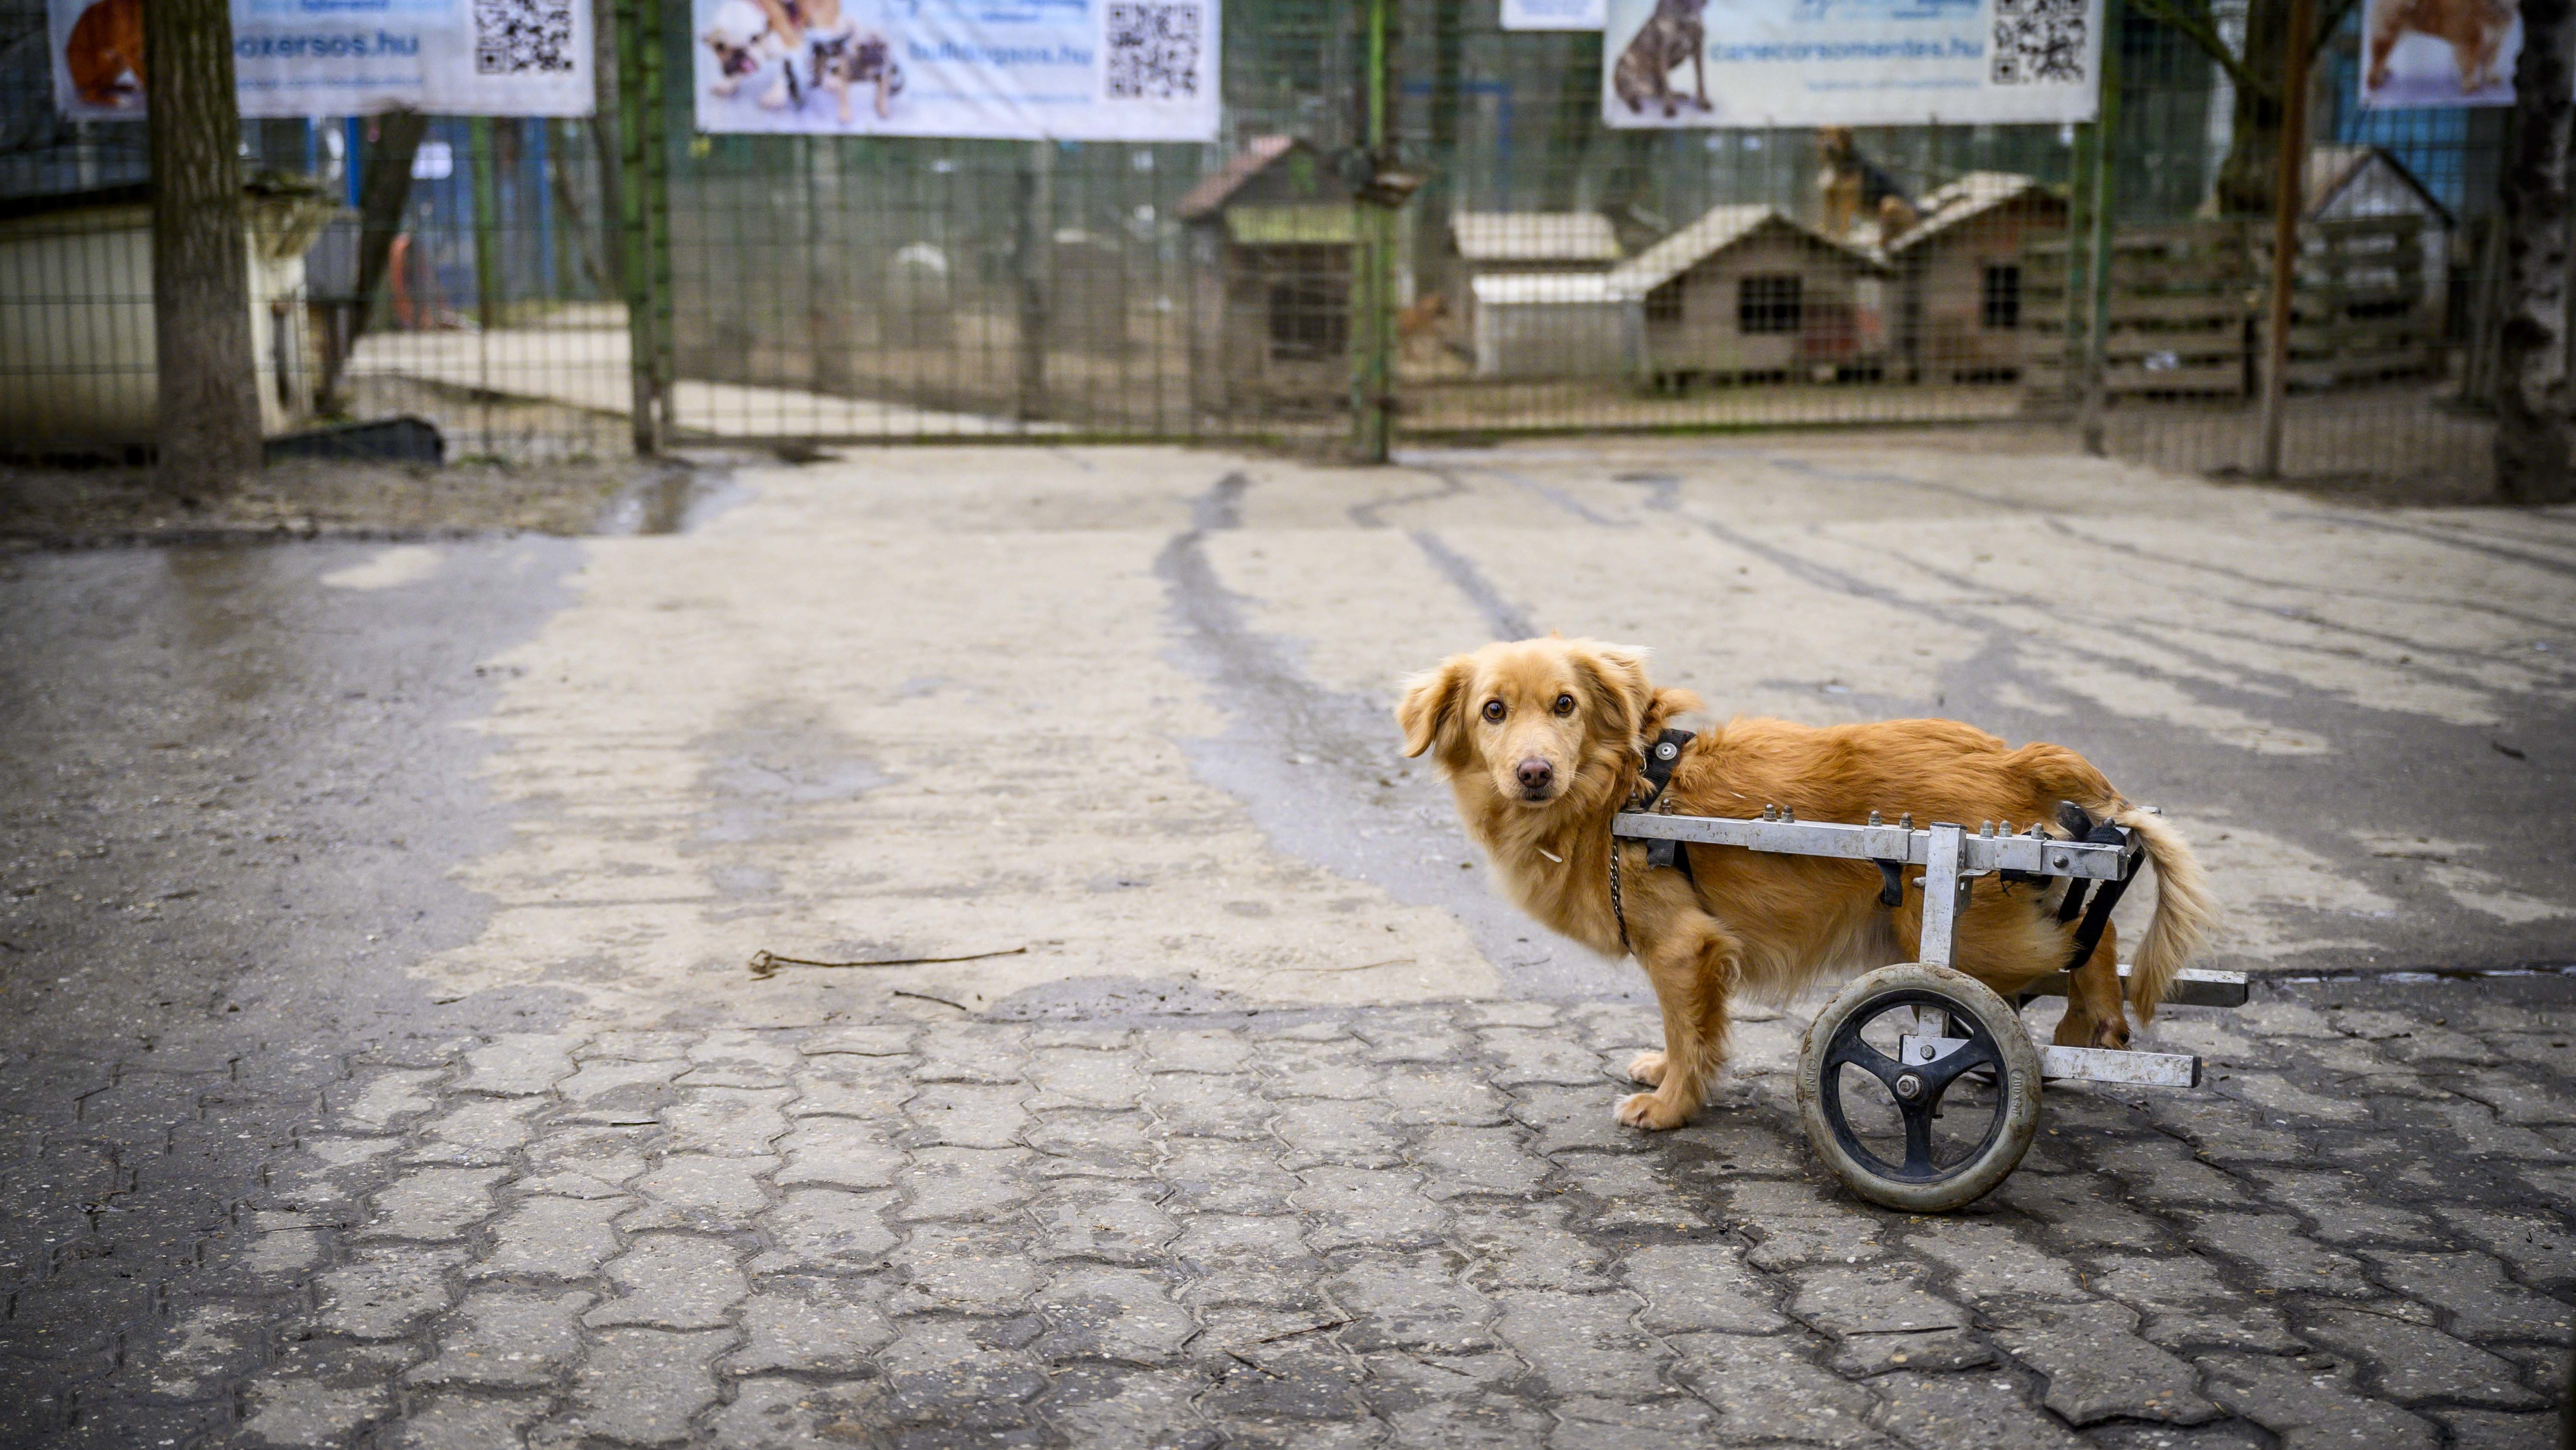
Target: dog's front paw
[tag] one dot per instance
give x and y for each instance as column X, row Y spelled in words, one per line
column 1651, row 1112
column 1647, row 1068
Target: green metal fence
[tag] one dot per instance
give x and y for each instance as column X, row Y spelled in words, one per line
column 1415, row 227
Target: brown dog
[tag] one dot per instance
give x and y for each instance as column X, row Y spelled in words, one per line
column 2475, row 30
column 104, row 53
column 1671, row 36
column 1543, row 740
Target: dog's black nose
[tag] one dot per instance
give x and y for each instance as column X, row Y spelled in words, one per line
column 1535, row 773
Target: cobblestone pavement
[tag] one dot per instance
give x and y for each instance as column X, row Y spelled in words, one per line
column 1401, row 1226
column 378, row 1067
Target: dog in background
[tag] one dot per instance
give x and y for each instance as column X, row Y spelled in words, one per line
column 2474, row 29
column 854, row 57
column 746, row 37
column 1418, row 326
column 1854, row 188
column 104, row 53
column 1644, row 75
column 1543, row 742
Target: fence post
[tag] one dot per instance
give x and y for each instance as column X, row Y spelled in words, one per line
column 487, row 225
column 2106, row 131
column 634, row 217
column 1032, row 257
column 1373, row 291
column 2289, row 189
column 657, row 212
column 2074, row 318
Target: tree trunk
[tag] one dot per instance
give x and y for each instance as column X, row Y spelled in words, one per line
column 208, row 381
column 2254, row 139
column 384, row 189
column 2532, row 438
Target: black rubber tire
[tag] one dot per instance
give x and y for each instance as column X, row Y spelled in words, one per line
column 2006, row 1050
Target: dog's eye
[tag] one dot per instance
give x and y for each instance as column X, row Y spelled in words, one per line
column 1565, row 704
column 1494, row 711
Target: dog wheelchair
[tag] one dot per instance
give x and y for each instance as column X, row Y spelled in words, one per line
column 1895, row 1047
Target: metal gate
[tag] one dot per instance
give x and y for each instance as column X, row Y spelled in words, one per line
column 1415, row 226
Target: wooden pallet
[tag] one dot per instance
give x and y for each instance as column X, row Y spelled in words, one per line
column 2185, row 315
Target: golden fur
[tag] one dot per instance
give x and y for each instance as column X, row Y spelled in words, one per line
column 104, row 53
column 2474, row 29
column 1574, row 717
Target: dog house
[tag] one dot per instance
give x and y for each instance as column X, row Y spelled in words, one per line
column 1960, row 270
column 1272, row 237
column 1554, row 325
column 1747, row 293
column 77, row 361
column 2355, row 183
column 1525, row 244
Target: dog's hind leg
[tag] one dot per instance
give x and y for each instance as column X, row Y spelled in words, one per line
column 2096, row 1013
column 2386, row 26
column 1693, row 970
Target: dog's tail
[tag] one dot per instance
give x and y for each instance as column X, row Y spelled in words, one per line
column 2183, row 916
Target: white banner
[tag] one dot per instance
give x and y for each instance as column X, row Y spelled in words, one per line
column 1554, row 14
column 347, row 57
column 1072, row 70
column 2469, row 63
column 1849, row 62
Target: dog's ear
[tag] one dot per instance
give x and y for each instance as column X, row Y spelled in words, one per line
column 1617, row 677
column 1429, row 710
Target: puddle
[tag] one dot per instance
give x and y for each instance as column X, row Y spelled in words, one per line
column 672, row 501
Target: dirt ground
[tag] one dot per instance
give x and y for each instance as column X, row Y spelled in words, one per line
column 86, row 507
column 81, row 507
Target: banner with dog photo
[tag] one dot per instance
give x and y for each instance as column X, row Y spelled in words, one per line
column 1070, row 70
column 2444, row 53
column 1671, row 63
column 346, row 57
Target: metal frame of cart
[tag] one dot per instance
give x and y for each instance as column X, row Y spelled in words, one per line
column 1961, row 1028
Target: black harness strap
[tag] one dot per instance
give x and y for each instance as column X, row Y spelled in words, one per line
column 2081, row 826
column 1661, row 757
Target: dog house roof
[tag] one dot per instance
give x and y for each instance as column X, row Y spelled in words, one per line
column 2353, row 181
column 1720, row 228
column 1534, row 236
column 1219, row 187
column 1971, row 195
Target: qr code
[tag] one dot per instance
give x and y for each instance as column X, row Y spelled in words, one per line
column 514, row 37
column 1154, row 49
column 2038, row 40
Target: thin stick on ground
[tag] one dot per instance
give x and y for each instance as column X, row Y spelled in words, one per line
column 765, row 965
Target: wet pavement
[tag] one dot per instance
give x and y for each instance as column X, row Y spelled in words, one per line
column 378, row 1064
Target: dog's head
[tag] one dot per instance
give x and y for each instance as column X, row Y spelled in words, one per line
column 1537, row 722
column 736, row 37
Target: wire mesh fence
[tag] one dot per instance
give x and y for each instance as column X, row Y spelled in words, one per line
column 542, row 288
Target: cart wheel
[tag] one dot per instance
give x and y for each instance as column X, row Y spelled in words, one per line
column 1860, row 1104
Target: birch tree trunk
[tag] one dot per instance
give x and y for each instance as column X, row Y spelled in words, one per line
column 208, row 382
column 2532, row 437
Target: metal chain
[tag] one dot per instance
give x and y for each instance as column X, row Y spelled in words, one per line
column 1616, row 909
